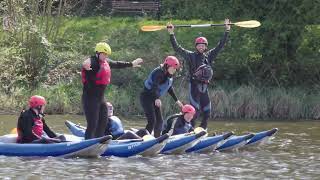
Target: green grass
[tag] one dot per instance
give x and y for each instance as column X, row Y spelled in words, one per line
column 78, row 36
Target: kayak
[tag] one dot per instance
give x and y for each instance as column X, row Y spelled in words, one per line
column 126, row 148
column 209, row 144
column 178, row 144
column 234, row 142
column 85, row 148
column 261, row 137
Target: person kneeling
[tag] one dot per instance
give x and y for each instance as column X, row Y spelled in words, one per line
column 180, row 123
column 115, row 127
column 32, row 127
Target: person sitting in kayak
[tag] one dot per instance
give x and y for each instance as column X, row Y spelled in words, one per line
column 115, row 127
column 158, row 83
column 180, row 123
column 32, row 127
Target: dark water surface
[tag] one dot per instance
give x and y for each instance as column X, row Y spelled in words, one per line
column 294, row 153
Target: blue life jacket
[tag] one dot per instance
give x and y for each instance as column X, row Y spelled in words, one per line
column 115, row 126
column 163, row 88
column 184, row 129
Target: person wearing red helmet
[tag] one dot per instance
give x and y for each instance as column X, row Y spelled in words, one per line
column 180, row 123
column 199, row 63
column 96, row 76
column 32, row 127
column 158, row 83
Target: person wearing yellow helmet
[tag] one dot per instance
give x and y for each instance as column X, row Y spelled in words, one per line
column 96, row 75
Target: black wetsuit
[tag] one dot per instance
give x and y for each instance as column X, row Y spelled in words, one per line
column 180, row 125
column 25, row 126
column 198, row 92
column 158, row 85
column 93, row 98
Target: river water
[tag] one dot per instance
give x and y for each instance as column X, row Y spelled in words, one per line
column 294, row 153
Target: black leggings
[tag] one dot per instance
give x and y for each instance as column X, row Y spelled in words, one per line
column 134, row 135
column 95, row 112
column 199, row 98
column 153, row 114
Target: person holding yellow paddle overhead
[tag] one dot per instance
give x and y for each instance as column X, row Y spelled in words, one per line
column 199, row 63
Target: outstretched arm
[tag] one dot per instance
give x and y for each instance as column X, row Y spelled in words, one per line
column 47, row 130
column 123, row 64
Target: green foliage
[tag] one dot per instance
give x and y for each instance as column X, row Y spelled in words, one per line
column 255, row 75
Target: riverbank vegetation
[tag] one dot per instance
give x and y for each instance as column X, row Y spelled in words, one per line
column 263, row 73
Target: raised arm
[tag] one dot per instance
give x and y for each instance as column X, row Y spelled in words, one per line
column 212, row 53
column 176, row 46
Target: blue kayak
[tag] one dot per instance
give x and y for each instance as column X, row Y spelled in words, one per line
column 126, row 148
column 234, row 142
column 86, row 148
column 261, row 137
column 178, row 144
column 209, row 144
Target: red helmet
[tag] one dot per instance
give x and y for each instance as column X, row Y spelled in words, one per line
column 172, row 61
column 188, row 109
column 201, row 40
column 36, row 101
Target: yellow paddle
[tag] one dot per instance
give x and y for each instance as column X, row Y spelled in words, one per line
column 244, row 24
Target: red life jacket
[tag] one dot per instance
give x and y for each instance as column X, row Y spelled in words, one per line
column 37, row 128
column 102, row 77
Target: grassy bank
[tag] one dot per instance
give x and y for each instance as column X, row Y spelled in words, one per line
column 244, row 102
column 60, row 82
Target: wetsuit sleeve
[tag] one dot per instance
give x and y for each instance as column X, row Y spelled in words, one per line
column 119, row 64
column 25, row 124
column 172, row 94
column 168, row 124
column 191, row 129
column 212, row 53
column 91, row 74
column 47, row 130
column 178, row 49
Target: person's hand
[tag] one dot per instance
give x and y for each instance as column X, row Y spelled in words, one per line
column 157, row 102
column 137, row 62
column 170, row 28
column 227, row 24
column 179, row 103
column 87, row 65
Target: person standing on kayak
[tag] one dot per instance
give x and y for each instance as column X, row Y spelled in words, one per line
column 180, row 123
column 199, row 63
column 32, row 127
column 96, row 75
column 158, row 83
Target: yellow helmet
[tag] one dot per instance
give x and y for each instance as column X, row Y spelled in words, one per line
column 103, row 48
